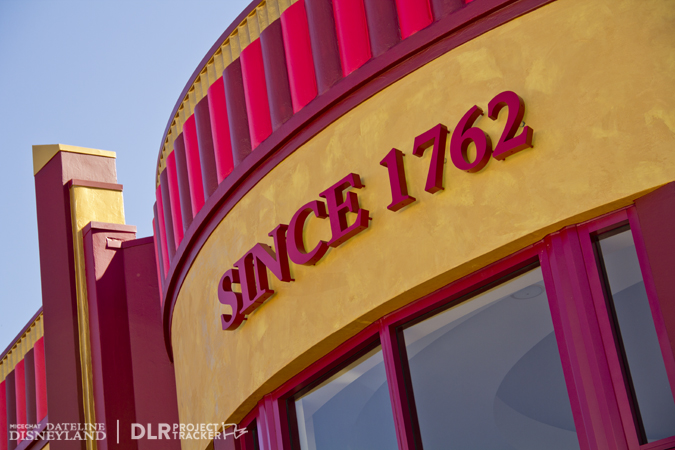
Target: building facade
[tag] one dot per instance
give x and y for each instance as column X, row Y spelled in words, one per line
column 412, row 224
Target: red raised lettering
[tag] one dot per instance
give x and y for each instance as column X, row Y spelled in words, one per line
column 338, row 207
column 227, row 296
column 253, row 270
column 437, row 137
column 296, row 244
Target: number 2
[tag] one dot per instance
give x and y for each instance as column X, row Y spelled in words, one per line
column 508, row 144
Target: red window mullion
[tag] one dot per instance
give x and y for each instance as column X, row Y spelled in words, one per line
column 562, row 328
column 271, row 424
column 568, row 284
column 604, row 320
column 402, row 400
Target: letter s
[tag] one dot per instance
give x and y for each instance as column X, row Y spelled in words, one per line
column 227, row 296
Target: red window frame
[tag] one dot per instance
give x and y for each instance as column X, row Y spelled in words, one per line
column 588, row 235
column 590, row 359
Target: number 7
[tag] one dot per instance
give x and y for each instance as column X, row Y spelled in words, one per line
column 437, row 137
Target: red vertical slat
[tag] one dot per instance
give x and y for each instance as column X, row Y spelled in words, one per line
column 20, row 387
column 352, row 32
column 207, row 157
column 255, row 91
column 442, row 8
column 159, row 253
column 240, row 131
column 3, row 417
column 183, row 181
column 299, row 60
column 325, row 48
column 158, row 259
column 176, row 217
column 193, row 164
column 10, row 410
column 162, row 230
column 29, row 371
column 276, row 74
column 167, row 206
column 383, row 28
column 413, row 15
column 220, row 127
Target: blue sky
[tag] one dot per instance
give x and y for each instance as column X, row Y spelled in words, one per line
column 91, row 73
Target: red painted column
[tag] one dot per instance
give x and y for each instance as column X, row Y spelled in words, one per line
column 109, row 330
column 174, row 195
column 194, row 166
column 153, row 375
column 352, row 33
column 413, row 15
column 220, row 128
column 57, row 271
column 3, row 417
column 134, row 381
column 20, row 388
column 255, row 90
column 40, row 380
column 299, row 59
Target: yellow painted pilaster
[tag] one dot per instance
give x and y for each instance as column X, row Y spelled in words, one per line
column 89, row 205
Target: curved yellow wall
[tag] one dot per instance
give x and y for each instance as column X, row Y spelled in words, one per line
column 598, row 80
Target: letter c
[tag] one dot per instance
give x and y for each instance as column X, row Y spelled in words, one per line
column 296, row 246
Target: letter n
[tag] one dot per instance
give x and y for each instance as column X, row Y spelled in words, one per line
column 253, row 270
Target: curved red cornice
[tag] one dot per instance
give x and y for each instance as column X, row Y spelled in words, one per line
column 379, row 72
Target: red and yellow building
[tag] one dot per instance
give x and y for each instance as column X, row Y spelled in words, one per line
column 383, row 224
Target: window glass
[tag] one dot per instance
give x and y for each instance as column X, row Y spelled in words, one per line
column 350, row 410
column 654, row 407
column 486, row 374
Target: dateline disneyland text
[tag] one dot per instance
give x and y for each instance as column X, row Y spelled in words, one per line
column 57, row 432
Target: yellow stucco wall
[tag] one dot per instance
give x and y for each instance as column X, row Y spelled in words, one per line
column 598, row 80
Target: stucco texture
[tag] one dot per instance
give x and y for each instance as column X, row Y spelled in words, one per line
column 598, row 80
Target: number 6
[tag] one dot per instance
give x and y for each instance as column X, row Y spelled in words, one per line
column 465, row 134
